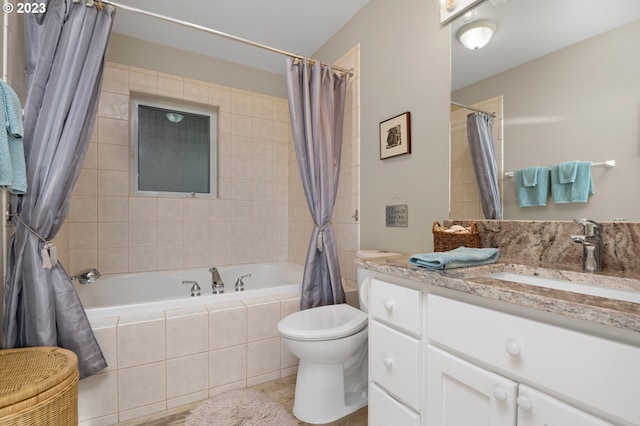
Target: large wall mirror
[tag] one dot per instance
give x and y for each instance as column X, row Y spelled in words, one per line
column 565, row 76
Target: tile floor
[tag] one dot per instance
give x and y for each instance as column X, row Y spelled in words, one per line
column 281, row 389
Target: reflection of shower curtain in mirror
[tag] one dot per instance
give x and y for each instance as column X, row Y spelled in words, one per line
column 484, row 163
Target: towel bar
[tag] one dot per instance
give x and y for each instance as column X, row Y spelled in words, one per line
column 606, row 164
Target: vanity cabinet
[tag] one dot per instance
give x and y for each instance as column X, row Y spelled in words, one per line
column 395, row 354
column 512, row 365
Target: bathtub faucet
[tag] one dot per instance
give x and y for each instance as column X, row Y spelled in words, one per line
column 195, row 288
column 216, row 282
column 240, row 283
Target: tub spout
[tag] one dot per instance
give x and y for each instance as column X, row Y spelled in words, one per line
column 216, row 282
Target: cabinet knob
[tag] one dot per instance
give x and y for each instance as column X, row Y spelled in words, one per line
column 513, row 348
column 388, row 305
column 500, row 394
column 524, row 403
column 388, row 361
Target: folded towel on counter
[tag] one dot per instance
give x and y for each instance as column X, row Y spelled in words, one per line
column 532, row 195
column 457, row 258
column 13, row 170
column 567, row 171
column 577, row 191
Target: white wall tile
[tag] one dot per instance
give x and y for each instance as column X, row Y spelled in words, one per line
column 142, row 385
column 141, row 343
column 228, row 365
column 185, row 375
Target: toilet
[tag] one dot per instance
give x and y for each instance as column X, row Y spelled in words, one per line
column 331, row 344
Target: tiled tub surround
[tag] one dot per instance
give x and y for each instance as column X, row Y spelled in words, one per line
column 160, row 360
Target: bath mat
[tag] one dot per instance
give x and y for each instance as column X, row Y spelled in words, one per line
column 242, row 407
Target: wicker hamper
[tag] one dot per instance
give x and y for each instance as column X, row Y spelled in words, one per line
column 445, row 241
column 38, row 386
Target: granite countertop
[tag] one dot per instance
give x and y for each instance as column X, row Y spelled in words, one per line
column 474, row 280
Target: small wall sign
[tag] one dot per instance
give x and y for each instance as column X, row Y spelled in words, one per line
column 397, row 216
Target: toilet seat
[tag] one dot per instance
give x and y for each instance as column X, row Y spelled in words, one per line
column 323, row 323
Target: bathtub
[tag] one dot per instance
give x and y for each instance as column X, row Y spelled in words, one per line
column 166, row 349
column 118, row 294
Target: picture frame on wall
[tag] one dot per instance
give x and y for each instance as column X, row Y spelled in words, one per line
column 395, row 136
column 451, row 9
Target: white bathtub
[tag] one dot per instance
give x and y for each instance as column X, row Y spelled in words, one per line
column 118, row 294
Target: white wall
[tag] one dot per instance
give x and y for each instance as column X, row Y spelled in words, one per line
column 405, row 66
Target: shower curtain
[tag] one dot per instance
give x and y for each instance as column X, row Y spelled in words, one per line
column 64, row 60
column 316, row 107
column 484, row 163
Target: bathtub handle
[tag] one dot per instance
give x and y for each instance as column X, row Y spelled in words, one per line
column 240, row 283
column 195, row 288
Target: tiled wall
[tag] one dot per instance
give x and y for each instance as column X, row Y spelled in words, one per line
column 465, row 195
column 248, row 223
column 344, row 220
column 162, row 360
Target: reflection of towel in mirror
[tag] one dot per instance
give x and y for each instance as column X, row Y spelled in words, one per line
column 577, row 191
column 13, row 171
column 567, row 171
column 532, row 186
column 457, row 258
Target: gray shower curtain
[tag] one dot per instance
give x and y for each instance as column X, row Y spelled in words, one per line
column 316, row 106
column 484, row 163
column 64, row 61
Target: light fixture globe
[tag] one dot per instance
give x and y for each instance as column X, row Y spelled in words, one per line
column 476, row 35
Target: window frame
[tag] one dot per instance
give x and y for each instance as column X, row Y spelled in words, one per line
column 180, row 108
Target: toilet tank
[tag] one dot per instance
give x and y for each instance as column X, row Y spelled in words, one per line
column 365, row 283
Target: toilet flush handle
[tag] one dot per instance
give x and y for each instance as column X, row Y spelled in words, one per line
column 388, row 305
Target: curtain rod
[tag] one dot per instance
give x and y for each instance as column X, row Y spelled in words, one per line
column 473, row 109
column 221, row 34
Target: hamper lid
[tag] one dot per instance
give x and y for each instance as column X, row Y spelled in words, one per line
column 27, row 372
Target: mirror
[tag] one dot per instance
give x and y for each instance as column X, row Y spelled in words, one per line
column 563, row 77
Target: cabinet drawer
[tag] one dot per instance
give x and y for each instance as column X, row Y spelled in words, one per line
column 594, row 371
column 396, row 305
column 394, row 363
column 385, row 411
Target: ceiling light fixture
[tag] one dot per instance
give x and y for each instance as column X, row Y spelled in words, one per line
column 476, row 35
column 174, row 117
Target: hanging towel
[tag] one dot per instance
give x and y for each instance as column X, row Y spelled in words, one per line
column 567, row 171
column 532, row 186
column 457, row 258
column 577, row 191
column 13, row 171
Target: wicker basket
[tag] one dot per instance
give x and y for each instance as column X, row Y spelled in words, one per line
column 445, row 241
column 38, row 386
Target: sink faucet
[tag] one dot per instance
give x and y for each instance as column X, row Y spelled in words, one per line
column 591, row 245
column 216, row 282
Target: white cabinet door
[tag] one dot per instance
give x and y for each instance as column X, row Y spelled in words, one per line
column 462, row 394
column 387, row 411
column 538, row 409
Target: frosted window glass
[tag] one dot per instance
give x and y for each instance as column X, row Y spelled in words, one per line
column 173, row 155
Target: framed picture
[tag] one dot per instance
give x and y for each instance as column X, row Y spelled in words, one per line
column 395, row 136
column 451, row 9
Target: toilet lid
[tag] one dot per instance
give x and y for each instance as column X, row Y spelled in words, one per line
column 323, row 323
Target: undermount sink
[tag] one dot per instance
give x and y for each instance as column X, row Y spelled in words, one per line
column 610, row 293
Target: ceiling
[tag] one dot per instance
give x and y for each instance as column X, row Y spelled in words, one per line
column 527, row 29
column 296, row 26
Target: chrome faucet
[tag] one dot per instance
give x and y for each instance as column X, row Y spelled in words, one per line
column 195, row 288
column 591, row 245
column 216, row 282
column 240, row 283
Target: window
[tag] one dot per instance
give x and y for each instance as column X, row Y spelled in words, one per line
column 174, row 149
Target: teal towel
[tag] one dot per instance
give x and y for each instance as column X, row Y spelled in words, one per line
column 536, row 195
column 577, row 191
column 457, row 258
column 567, row 171
column 530, row 176
column 13, row 170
